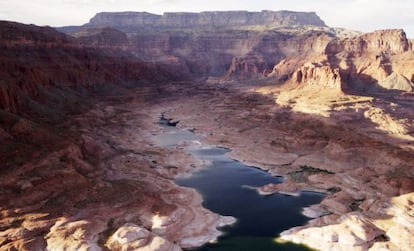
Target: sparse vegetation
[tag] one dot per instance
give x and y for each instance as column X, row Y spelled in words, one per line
column 334, row 189
column 305, row 170
column 313, row 170
column 355, row 205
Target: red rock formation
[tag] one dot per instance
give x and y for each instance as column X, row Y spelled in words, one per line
column 319, row 75
column 365, row 63
column 385, row 41
column 247, row 67
column 193, row 40
column 39, row 57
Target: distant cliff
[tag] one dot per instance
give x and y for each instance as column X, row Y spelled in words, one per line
column 240, row 45
column 144, row 20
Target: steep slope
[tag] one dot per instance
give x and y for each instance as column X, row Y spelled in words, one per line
column 135, row 21
column 237, row 44
column 74, row 175
column 33, row 58
column 366, row 63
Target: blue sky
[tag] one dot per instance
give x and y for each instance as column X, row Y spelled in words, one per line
column 363, row 15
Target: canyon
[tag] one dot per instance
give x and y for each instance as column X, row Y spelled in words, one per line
column 330, row 110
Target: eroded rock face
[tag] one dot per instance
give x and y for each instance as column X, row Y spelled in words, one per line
column 234, row 45
column 365, row 63
column 385, row 41
column 353, row 233
column 315, row 74
column 58, row 62
column 144, row 20
column 357, row 232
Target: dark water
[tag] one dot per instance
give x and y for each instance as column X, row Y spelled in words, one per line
column 226, row 189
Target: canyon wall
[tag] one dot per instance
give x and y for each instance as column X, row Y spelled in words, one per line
column 67, row 154
column 209, row 19
column 233, row 54
column 251, row 45
column 34, row 58
column 235, row 44
column 373, row 61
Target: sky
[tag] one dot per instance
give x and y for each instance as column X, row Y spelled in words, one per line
column 361, row 15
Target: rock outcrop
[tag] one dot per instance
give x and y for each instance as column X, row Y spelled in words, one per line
column 315, row 74
column 131, row 236
column 374, row 59
column 355, row 231
column 365, row 63
column 381, row 41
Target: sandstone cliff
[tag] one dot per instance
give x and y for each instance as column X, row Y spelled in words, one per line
column 366, row 63
column 250, row 45
column 35, row 58
column 235, row 44
column 221, row 19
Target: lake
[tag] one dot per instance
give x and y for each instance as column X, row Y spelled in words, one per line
column 227, row 189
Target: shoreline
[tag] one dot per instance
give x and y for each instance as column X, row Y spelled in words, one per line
column 343, row 164
column 107, row 174
column 310, row 211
